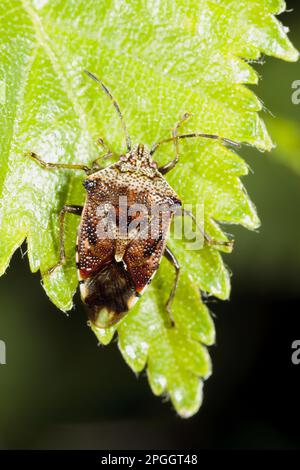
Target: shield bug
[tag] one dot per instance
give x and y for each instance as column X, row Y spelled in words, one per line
column 116, row 253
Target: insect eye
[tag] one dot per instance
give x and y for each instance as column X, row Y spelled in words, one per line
column 89, row 184
column 153, row 165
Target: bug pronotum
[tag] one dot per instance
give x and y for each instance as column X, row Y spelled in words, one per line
column 116, row 258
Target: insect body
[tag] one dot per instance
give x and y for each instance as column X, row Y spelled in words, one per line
column 114, row 269
column 124, row 226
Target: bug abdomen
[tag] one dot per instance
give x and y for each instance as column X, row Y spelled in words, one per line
column 108, row 293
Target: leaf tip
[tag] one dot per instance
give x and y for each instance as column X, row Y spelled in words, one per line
column 104, row 335
column 186, row 407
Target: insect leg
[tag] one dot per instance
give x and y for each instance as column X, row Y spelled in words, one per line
column 105, row 147
column 210, row 241
column 108, row 153
column 169, row 166
column 171, row 257
column 69, row 166
column 77, row 210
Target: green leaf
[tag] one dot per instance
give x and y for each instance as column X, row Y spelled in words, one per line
column 160, row 58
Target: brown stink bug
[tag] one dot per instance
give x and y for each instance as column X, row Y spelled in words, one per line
column 116, row 255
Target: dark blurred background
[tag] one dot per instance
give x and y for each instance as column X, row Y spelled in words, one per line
column 59, row 390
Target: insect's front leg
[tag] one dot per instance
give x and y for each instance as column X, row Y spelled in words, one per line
column 48, row 165
column 104, row 146
column 173, row 260
column 77, row 210
column 169, row 166
column 108, row 154
column 210, row 241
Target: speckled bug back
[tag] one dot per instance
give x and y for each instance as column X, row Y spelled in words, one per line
column 114, row 271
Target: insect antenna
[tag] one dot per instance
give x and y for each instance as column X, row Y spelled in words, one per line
column 114, row 102
column 189, row 136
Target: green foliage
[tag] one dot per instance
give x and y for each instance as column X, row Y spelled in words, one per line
column 160, row 58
